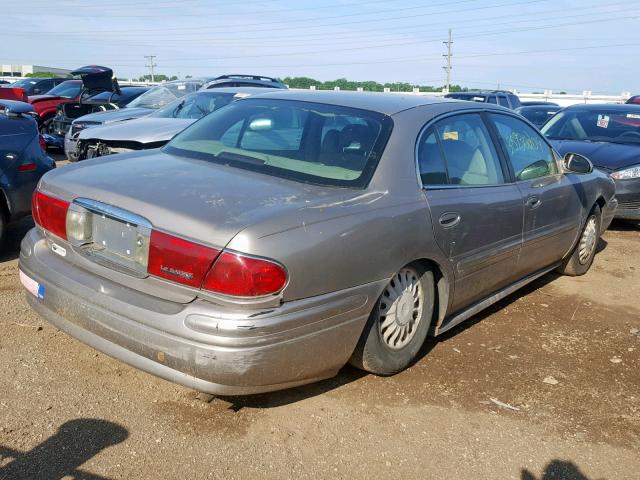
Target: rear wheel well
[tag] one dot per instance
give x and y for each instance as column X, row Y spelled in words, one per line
column 441, row 300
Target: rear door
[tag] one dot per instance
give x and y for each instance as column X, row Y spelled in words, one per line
column 552, row 206
column 476, row 214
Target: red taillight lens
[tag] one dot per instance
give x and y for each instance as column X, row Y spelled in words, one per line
column 179, row 260
column 50, row 213
column 43, row 144
column 27, row 167
column 241, row 276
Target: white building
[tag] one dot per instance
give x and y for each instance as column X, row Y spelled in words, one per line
column 23, row 70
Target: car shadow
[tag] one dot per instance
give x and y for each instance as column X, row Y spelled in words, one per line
column 624, row 226
column 556, row 470
column 61, row 455
column 10, row 248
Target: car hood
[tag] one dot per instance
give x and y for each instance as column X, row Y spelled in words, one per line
column 42, row 98
column 115, row 115
column 197, row 199
column 143, row 130
column 609, row 156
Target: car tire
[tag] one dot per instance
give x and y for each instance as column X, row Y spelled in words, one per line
column 580, row 260
column 398, row 324
column 46, row 126
column 3, row 227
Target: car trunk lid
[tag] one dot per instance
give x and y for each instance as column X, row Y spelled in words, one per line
column 197, row 200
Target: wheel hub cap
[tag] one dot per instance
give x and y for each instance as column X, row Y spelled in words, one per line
column 400, row 309
column 588, row 241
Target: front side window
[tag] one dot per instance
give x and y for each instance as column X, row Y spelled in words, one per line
column 459, row 151
column 529, row 155
column 303, row 141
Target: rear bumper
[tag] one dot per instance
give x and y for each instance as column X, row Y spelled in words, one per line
column 200, row 345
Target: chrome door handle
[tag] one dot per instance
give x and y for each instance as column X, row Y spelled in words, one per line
column 450, row 219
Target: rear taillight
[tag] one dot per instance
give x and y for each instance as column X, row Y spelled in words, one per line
column 50, row 213
column 179, row 260
column 43, row 143
column 199, row 266
column 27, row 167
column 241, row 276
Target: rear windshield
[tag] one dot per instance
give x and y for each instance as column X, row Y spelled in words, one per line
column 66, row 89
column 161, row 95
column 194, row 106
column 597, row 125
column 308, row 142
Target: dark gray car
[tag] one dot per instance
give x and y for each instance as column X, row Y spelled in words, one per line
column 23, row 161
column 286, row 234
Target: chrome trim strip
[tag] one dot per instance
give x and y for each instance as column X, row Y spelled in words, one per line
column 113, row 212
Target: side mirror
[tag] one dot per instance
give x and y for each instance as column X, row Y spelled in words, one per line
column 576, row 163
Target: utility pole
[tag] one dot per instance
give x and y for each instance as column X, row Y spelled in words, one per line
column 151, row 65
column 447, row 67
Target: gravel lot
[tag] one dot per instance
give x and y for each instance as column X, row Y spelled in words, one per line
column 545, row 385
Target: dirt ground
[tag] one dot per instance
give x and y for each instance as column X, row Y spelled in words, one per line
column 544, row 385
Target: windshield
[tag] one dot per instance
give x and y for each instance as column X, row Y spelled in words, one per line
column 196, row 105
column 66, row 89
column 307, row 142
column 24, row 83
column 538, row 115
column 161, row 95
column 596, row 125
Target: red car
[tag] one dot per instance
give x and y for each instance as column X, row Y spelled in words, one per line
column 95, row 79
column 635, row 100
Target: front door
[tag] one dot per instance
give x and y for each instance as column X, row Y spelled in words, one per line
column 476, row 214
column 552, row 206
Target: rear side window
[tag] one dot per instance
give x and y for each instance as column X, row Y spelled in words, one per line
column 459, row 151
column 309, row 142
column 530, row 156
column 502, row 101
column 492, row 99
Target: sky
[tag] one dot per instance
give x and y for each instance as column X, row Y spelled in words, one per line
column 528, row 45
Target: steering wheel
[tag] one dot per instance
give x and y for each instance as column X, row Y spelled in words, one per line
column 629, row 134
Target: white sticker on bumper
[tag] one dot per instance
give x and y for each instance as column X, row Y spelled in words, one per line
column 36, row 289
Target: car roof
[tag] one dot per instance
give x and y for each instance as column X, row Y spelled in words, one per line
column 622, row 107
column 386, row 103
column 249, row 90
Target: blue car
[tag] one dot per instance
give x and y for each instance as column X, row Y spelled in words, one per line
column 609, row 136
column 23, row 161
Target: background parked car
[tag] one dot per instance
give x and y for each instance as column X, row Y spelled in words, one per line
column 610, row 136
column 538, row 114
column 635, row 100
column 497, row 97
column 36, row 85
column 23, row 161
column 244, row 81
column 285, row 234
column 150, row 101
column 100, row 102
column 157, row 129
column 533, row 103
